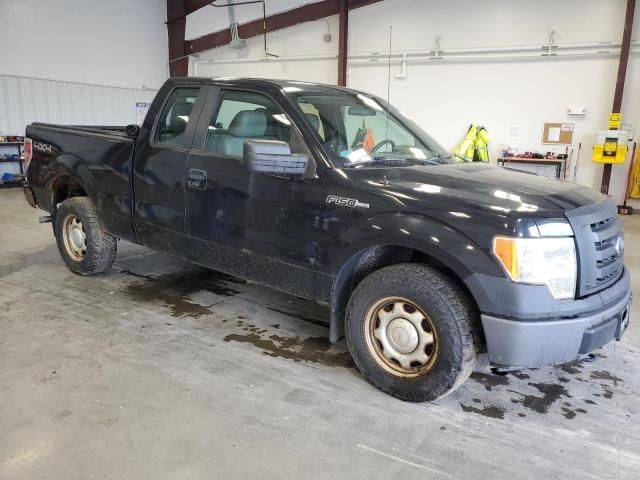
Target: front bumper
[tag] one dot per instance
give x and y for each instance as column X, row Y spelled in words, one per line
column 517, row 343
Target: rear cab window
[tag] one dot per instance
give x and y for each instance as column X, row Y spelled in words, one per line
column 175, row 117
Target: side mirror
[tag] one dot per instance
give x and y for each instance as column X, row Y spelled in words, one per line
column 132, row 130
column 273, row 157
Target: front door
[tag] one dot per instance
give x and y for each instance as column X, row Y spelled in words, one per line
column 159, row 171
column 257, row 226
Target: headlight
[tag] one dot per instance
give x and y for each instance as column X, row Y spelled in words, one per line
column 540, row 261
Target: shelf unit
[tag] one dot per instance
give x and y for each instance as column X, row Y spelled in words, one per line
column 19, row 161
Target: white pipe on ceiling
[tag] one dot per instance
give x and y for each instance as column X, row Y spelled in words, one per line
column 476, row 54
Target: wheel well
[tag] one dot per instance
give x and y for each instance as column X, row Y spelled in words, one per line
column 65, row 187
column 367, row 261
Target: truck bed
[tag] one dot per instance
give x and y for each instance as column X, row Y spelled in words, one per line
column 118, row 130
column 98, row 157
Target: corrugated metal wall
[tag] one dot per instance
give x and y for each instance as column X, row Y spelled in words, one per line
column 24, row 100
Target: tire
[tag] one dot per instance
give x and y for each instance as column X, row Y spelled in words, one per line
column 84, row 246
column 383, row 312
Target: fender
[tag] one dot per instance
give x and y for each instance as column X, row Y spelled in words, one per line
column 428, row 236
column 74, row 167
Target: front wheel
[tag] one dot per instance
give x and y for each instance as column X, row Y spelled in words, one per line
column 84, row 246
column 412, row 332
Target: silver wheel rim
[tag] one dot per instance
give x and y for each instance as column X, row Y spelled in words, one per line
column 401, row 336
column 75, row 238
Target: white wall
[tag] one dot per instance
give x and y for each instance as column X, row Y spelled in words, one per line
column 445, row 98
column 26, row 100
column 115, row 42
column 303, row 40
column 78, row 62
column 211, row 19
column 306, row 39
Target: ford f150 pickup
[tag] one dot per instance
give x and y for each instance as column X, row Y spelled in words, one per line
column 331, row 194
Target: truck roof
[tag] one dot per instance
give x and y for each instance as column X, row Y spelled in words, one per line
column 263, row 83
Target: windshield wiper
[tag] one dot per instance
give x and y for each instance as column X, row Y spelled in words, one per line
column 436, row 159
column 464, row 159
column 441, row 157
column 385, row 161
column 358, row 163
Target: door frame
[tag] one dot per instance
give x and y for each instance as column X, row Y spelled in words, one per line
column 198, row 148
column 149, row 145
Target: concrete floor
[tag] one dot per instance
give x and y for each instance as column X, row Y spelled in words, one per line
column 163, row 370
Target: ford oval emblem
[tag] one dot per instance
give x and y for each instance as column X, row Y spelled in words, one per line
column 619, row 245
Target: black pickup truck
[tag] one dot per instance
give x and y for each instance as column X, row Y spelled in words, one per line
column 331, row 194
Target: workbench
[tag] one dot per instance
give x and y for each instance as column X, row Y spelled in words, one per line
column 557, row 162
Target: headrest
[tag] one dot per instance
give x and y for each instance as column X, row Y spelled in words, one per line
column 180, row 116
column 248, row 123
column 314, row 120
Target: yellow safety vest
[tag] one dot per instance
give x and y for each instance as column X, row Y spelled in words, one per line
column 482, row 145
column 467, row 148
column 475, row 146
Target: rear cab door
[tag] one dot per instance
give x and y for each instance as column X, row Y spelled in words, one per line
column 160, row 165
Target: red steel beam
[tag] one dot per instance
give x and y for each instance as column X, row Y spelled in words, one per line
column 343, row 34
column 622, row 73
column 188, row 6
column 277, row 21
column 176, row 24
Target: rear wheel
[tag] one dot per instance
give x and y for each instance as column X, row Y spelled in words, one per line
column 412, row 332
column 84, row 246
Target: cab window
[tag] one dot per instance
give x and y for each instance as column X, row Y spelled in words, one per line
column 242, row 116
column 175, row 117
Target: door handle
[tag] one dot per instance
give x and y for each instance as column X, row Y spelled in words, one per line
column 197, row 179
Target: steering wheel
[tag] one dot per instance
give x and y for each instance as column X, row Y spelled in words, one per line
column 383, row 142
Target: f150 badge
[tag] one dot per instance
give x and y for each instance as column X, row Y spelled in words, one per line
column 345, row 202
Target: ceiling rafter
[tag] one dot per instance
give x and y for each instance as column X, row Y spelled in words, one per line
column 179, row 48
column 277, row 21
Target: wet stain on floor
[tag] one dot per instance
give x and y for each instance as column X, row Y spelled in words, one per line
column 491, row 411
column 137, row 275
column 310, row 349
column 300, row 316
column 490, row 380
column 570, row 414
column 551, row 392
column 571, row 367
column 605, row 375
column 173, row 290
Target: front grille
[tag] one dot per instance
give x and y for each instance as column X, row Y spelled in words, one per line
column 596, row 228
column 601, row 224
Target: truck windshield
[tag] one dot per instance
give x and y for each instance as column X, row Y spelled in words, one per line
column 359, row 130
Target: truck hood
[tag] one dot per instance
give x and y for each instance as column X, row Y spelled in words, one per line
column 500, row 188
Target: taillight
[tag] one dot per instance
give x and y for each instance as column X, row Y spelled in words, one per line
column 27, row 152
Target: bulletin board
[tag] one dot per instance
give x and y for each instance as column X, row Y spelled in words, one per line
column 557, row 134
